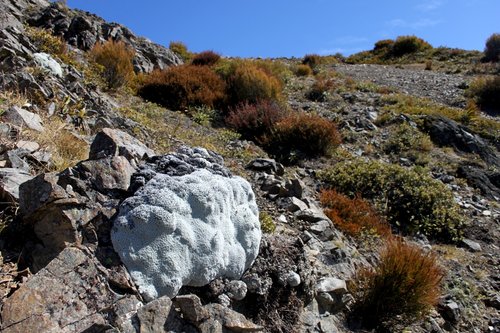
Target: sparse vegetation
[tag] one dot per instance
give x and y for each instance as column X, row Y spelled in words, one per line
column 356, row 217
column 403, row 286
column 320, row 89
column 116, row 60
column 311, row 60
column 408, row 142
column 412, row 201
column 181, row 87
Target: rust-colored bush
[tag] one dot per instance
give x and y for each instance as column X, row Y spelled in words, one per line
column 183, row 86
column 485, row 91
column 205, row 58
column 319, row 90
column 401, row 289
column 355, row 217
column 247, row 83
column 311, row 60
column 116, row 60
column 253, row 121
column 303, row 135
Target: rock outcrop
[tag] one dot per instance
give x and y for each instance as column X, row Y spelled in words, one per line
column 187, row 229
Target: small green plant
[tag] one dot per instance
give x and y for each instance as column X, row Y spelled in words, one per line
column 181, row 87
column 302, row 135
column 203, row 115
column 401, row 289
column 115, row 57
column 205, row 58
column 267, row 224
column 383, row 46
column 485, row 91
column 181, row 50
column 412, row 201
column 408, row 44
column 492, row 48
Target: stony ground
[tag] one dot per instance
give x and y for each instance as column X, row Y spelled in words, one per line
column 364, row 102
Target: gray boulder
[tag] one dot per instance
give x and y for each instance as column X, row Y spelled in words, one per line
column 10, row 179
column 48, row 63
column 112, row 142
column 208, row 223
column 20, row 117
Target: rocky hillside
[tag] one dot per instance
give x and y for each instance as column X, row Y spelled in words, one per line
column 282, row 195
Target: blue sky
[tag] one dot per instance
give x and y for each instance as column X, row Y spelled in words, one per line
column 286, row 28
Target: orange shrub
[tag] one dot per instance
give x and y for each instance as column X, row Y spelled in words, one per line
column 401, row 289
column 205, row 58
column 253, row 121
column 247, row 83
column 303, row 70
column 116, row 60
column 303, row 135
column 353, row 216
column 183, row 86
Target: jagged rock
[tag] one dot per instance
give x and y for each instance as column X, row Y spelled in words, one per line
column 296, row 205
column 21, row 117
column 111, row 174
column 112, row 142
column 48, row 63
column 209, row 223
column 486, row 181
column 69, row 295
column 331, row 285
column 312, row 214
column 15, row 159
column 12, row 11
column 83, row 30
column 472, row 245
column 330, row 292
column 191, row 308
column 446, row 132
column 10, row 180
column 266, row 165
column 295, row 188
column 153, row 315
column 124, row 311
column 231, row 320
column 450, row 310
column 29, row 146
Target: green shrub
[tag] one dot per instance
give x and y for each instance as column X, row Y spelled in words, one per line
column 412, row 201
column 492, row 48
column 247, row 83
column 303, row 70
column 181, row 50
column 183, row 86
column 486, row 92
column 205, row 58
column 46, row 42
column 116, row 61
column 408, row 44
column 253, row 121
column 303, row 135
column 402, row 288
column 384, row 45
column 407, row 141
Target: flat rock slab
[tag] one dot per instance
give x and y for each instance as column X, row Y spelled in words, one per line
column 68, row 295
column 10, row 179
column 20, row 117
